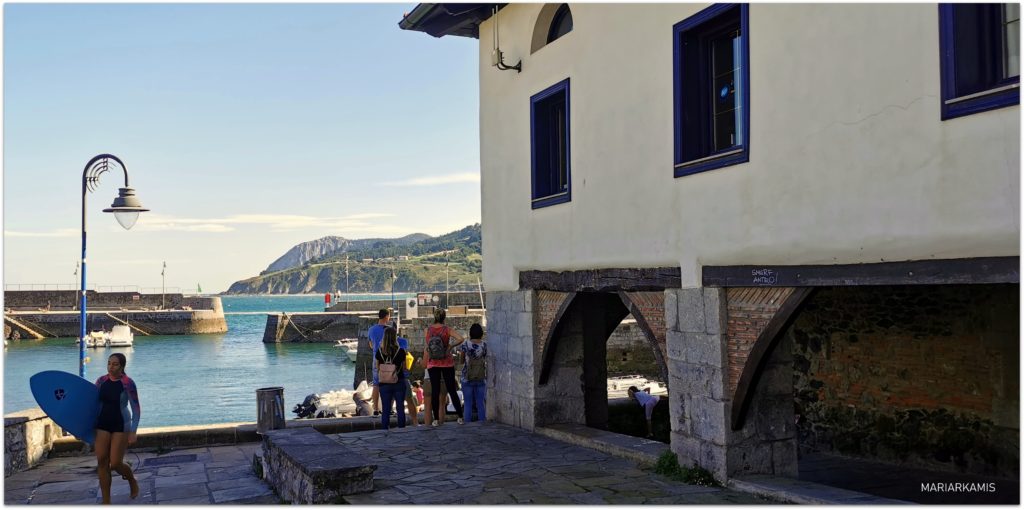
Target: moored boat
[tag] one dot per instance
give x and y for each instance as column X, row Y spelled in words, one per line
column 121, row 336
column 351, row 346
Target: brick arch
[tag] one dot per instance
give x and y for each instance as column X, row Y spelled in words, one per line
column 756, row 319
column 549, row 308
column 648, row 308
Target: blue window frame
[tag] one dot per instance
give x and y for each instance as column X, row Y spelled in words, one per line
column 980, row 57
column 711, row 69
column 549, row 145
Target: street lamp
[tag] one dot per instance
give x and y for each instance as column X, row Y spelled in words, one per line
column 126, row 209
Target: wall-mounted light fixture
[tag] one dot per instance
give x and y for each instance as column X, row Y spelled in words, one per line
column 497, row 58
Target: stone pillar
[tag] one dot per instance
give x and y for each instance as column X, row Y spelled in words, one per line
column 512, row 367
column 697, row 367
column 701, row 404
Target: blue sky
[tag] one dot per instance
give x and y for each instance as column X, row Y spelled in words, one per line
column 246, row 129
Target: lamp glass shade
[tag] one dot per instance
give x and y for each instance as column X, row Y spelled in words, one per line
column 127, row 219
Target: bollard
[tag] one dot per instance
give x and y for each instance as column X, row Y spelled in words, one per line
column 269, row 409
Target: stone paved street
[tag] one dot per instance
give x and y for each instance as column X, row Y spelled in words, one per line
column 491, row 464
column 220, row 474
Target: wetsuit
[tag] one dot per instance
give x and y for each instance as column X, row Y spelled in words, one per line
column 115, row 397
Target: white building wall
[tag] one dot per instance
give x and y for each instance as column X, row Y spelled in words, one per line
column 849, row 160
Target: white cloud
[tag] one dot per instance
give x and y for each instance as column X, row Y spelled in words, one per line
column 436, row 180
column 61, row 232
column 272, row 222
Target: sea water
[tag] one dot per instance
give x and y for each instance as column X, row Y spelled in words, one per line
column 199, row 379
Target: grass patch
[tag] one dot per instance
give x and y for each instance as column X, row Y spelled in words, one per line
column 668, row 466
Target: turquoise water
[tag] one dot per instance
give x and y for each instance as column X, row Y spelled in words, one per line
column 199, row 379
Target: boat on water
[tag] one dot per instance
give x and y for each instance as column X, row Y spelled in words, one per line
column 351, row 346
column 96, row 339
column 618, row 386
column 121, row 336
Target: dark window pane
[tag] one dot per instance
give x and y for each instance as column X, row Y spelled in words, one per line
column 561, row 24
column 978, row 45
column 724, row 101
column 1011, row 40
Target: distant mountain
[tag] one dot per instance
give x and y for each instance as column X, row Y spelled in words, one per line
column 419, row 262
column 302, row 253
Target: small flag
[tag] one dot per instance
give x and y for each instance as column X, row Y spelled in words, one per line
column 199, row 288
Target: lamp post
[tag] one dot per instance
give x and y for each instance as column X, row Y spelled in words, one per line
column 126, row 209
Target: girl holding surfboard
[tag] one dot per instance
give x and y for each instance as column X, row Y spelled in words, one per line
column 115, row 426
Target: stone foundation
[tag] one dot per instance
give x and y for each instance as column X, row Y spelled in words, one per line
column 28, row 438
column 700, row 404
column 513, row 363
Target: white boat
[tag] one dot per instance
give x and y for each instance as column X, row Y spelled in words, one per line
column 97, row 339
column 351, row 346
column 121, row 336
column 619, row 386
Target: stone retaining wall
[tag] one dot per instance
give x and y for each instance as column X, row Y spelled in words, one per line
column 68, row 300
column 513, row 366
column 166, row 322
column 921, row 375
column 28, row 438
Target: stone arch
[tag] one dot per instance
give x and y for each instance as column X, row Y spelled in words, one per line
column 753, row 337
column 648, row 308
column 543, row 25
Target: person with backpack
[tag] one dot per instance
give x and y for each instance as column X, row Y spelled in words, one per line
column 474, row 373
column 441, row 364
column 376, row 336
column 391, row 377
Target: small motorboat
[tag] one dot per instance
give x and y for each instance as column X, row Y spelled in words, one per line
column 121, row 336
column 96, row 339
column 618, row 386
column 351, row 346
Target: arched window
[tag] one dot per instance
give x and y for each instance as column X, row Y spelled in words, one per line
column 561, row 24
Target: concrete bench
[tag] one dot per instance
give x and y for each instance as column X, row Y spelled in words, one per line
column 306, row 467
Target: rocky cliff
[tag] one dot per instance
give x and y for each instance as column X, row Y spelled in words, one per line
column 302, row 253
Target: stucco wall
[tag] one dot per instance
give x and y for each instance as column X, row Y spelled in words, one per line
column 849, row 160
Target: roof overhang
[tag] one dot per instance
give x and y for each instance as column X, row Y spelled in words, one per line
column 440, row 20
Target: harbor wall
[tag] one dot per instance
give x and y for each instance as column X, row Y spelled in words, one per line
column 468, row 299
column 63, row 300
column 166, row 322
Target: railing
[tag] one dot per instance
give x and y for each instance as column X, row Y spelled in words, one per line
column 43, row 286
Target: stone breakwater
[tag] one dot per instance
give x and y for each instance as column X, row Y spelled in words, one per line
column 52, row 314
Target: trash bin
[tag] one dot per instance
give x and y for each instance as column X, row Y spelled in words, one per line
column 269, row 409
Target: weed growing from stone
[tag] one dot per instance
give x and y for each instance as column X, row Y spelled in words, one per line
column 668, row 466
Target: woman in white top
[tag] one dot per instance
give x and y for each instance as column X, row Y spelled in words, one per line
column 646, row 401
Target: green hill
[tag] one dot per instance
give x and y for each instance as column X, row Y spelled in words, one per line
column 418, row 266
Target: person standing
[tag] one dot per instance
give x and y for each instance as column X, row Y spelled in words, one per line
column 441, row 364
column 391, row 367
column 474, row 374
column 376, row 335
column 115, row 425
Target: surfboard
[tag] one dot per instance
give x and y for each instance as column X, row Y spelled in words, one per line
column 69, row 400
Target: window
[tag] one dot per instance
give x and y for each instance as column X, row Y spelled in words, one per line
column 980, row 47
column 549, row 145
column 712, row 97
column 561, row 24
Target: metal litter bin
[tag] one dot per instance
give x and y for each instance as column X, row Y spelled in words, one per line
column 269, row 409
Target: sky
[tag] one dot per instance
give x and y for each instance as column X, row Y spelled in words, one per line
column 245, row 128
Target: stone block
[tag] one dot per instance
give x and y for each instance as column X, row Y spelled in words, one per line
column 528, row 300
column 784, row 458
column 686, row 448
column 713, row 458
column 675, row 347
column 698, row 380
column 671, row 310
column 525, row 324
column 304, row 466
column 678, row 413
column 490, row 299
column 773, row 418
column 776, row 381
column 715, row 312
column 691, row 311
column 702, row 348
column 750, row 458
column 708, row 419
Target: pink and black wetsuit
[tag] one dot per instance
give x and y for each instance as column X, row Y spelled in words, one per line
column 115, row 398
